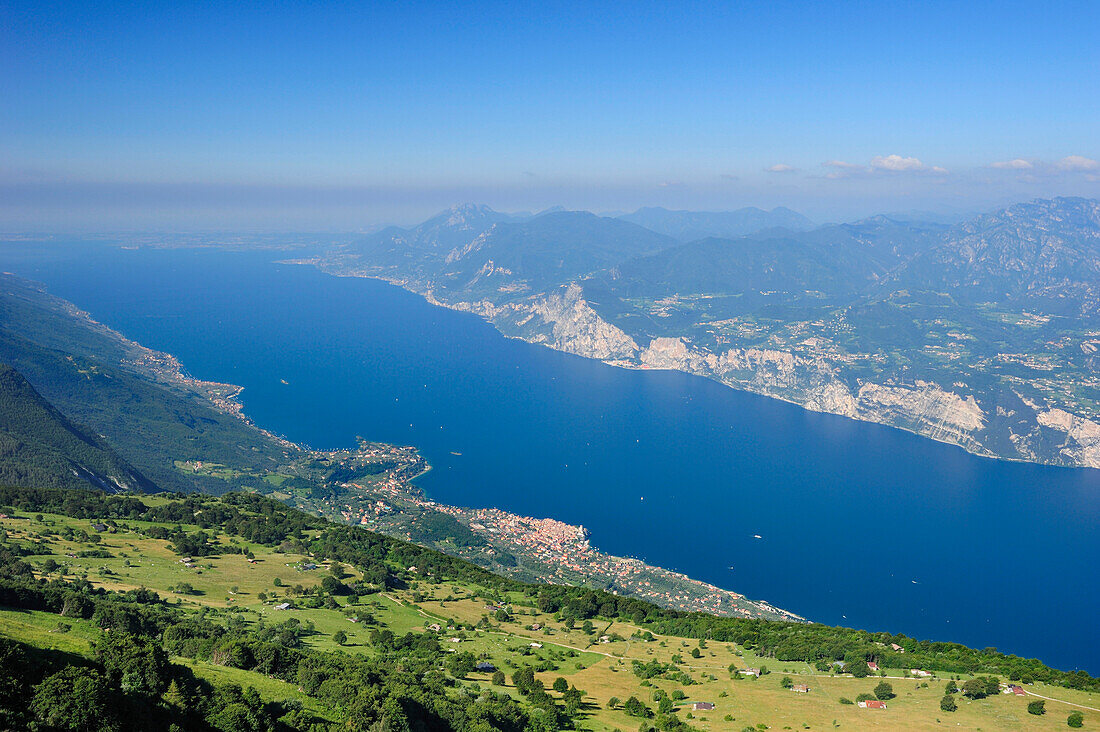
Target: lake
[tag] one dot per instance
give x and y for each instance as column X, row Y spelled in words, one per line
column 859, row 524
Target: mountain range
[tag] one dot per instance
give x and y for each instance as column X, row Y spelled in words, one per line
column 981, row 333
column 691, row 225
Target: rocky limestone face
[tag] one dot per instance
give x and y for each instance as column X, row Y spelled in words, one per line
column 933, row 412
column 924, row 408
column 928, row 400
column 674, row 354
column 1082, row 436
column 577, row 329
column 833, row 398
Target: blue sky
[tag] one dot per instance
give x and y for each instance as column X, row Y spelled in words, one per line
column 338, row 116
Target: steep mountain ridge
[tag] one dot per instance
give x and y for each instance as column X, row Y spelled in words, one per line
column 1043, row 254
column 150, row 411
column 39, row 446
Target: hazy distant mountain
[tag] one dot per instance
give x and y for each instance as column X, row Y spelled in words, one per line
column 1044, row 254
column 455, row 227
column 839, row 260
column 549, row 249
column 689, row 225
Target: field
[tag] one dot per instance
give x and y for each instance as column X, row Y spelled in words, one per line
column 598, row 659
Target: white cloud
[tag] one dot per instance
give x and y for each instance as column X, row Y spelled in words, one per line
column 1017, row 164
column 781, row 168
column 896, row 163
column 1078, row 163
column 880, row 165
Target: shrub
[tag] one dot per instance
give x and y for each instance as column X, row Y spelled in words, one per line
column 1037, row 707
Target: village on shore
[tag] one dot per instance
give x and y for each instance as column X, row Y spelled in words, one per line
column 545, row 550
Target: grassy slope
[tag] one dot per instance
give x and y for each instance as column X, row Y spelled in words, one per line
column 602, row 670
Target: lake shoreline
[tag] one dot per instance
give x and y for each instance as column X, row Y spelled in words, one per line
column 462, row 307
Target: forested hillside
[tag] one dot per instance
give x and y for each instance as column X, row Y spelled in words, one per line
column 146, row 409
column 39, row 447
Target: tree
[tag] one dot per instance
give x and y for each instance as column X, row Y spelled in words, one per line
column 1037, row 707
column 174, row 696
column 884, row 691
column 524, row 679
column 560, row 685
column 136, row 663
column 858, row 668
column 786, row 682
column 695, row 653
column 572, row 698
column 947, row 704
column 613, row 702
column 340, row 637
column 1075, row 720
column 460, row 664
column 974, row 688
column 498, row 678
column 75, row 698
column 333, row 586
column 337, row 570
column 635, row 708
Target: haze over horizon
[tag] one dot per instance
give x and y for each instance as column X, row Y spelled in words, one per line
column 342, row 117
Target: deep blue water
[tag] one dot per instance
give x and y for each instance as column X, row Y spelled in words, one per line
column 862, row 525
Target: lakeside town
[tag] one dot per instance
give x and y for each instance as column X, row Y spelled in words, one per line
column 533, row 549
